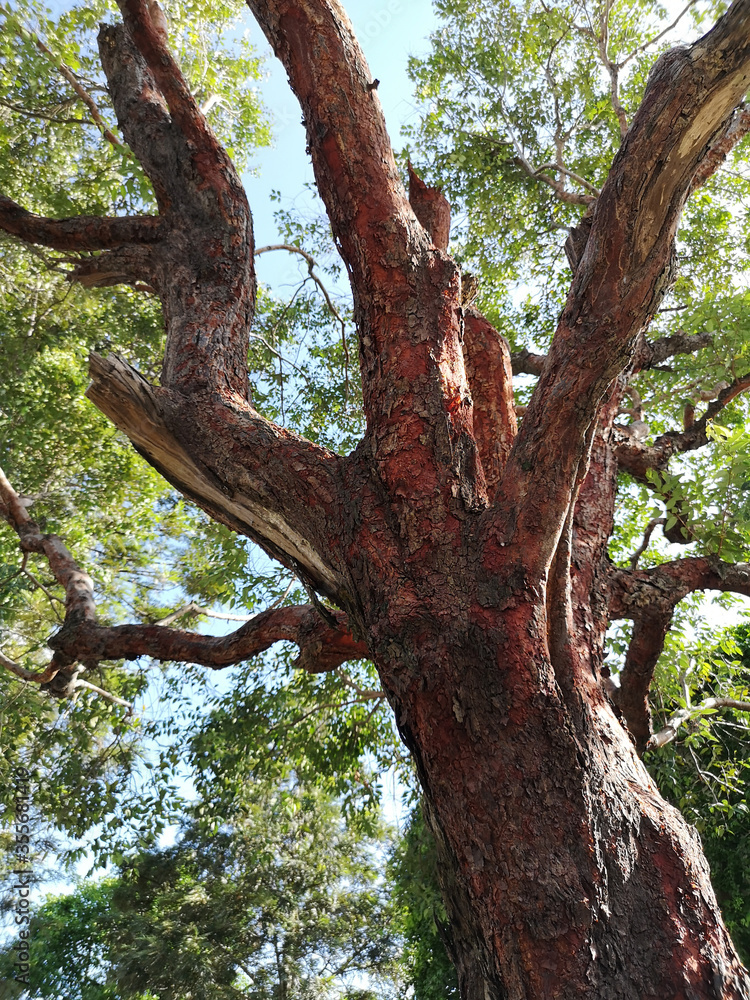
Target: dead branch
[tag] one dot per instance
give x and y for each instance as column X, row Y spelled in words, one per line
column 669, row 731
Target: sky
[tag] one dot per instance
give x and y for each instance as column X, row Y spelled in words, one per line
column 389, row 31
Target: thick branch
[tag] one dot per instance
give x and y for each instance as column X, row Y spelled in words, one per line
column 406, row 290
column 254, row 477
column 85, row 232
column 650, row 352
column 662, row 587
column 487, row 360
column 649, row 598
column 352, row 157
column 143, row 88
column 691, row 94
column 646, row 645
column 325, row 642
column 526, row 363
column 654, row 352
column 205, row 273
column 737, row 129
column 322, row 647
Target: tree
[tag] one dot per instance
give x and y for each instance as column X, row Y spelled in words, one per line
column 281, row 903
column 464, row 554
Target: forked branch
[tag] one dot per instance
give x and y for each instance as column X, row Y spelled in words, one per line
column 648, row 598
column 637, row 458
column 324, row 643
column 691, row 94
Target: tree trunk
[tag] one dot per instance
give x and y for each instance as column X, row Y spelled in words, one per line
column 564, row 872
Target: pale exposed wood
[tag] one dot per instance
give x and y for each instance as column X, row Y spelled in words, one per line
column 133, row 405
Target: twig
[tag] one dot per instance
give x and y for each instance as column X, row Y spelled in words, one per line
column 569, row 173
column 646, row 539
column 657, row 38
column 67, row 73
column 193, row 608
column 365, row 695
column 50, row 597
column 105, row 694
column 262, row 340
column 669, row 732
column 311, row 264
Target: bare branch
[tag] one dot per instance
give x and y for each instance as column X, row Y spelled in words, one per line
column 30, row 676
column 525, row 363
column 80, row 683
column 362, row 694
column 591, row 188
column 613, row 68
column 322, row 647
column 195, row 609
column 324, row 643
column 657, row 38
column 646, row 539
column 670, row 729
column 637, row 458
column 568, row 197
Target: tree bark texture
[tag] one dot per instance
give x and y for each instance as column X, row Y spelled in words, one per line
column 467, row 556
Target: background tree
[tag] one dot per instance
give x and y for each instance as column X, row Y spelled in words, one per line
column 467, row 557
column 283, row 902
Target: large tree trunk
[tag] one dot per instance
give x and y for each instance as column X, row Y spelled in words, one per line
column 469, row 556
column 564, row 872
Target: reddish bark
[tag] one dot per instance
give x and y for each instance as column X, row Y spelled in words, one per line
column 565, row 874
column 80, row 233
column 488, row 369
column 322, row 635
column 431, row 208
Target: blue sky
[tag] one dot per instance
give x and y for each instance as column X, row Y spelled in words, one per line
column 389, row 31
